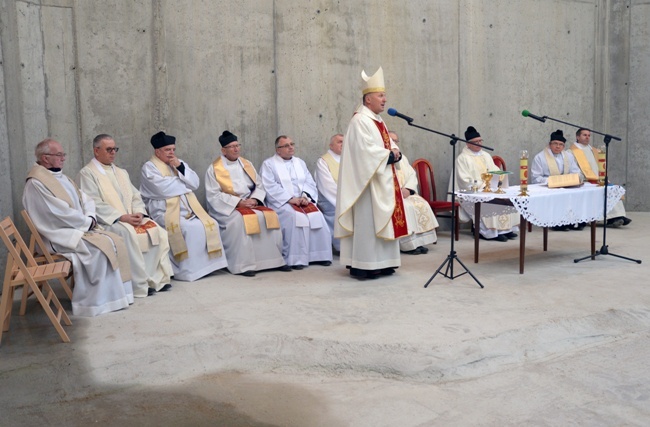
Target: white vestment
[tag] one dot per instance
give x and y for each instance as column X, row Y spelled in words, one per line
column 150, row 265
column 421, row 221
column 245, row 252
column 327, row 193
column 539, row 171
column 469, row 167
column 305, row 237
column 155, row 189
column 618, row 210
column 366, row 198
column 98, row 288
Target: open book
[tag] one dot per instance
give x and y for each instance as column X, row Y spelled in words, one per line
column 569, row 180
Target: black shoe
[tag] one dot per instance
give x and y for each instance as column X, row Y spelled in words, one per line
column 323, row 263
column 626, row 220
column 386, row 271
column 561, row 228
column 249, row 273
column 284, row 268
column 423, row 249
column 151, row 291
column 297, row 267
column 415, row 251
column 511, row 235
column 361, row 274
column 580, row 226
column 165, row 288
column 499, row 238
column 615, row 222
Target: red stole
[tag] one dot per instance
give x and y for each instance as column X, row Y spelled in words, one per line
column 398, row 218
column 305, row 209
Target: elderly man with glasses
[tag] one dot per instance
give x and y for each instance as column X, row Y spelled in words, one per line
column 291, row 192
column 120, row 209
column 65, row 217
column 250, row 231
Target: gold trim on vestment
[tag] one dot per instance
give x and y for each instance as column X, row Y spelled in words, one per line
column 173, row 218
column 583, row 163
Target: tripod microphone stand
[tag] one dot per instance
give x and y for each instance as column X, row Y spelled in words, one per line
column 604, row 249
column 607, row 139
column 448, row 263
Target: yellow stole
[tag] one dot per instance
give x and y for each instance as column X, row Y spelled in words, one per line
column 173, row 219
column 581, row 158
column 146, row 233
column 552, row 166
column 119, row 260
column 251, row 224
column 332, row 165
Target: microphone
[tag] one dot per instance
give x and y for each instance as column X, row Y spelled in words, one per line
column 527, row 113
column 393, row 112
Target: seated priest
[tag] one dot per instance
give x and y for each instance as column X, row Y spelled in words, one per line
column 65, row 217
column 167, row 186
column 420, row 220
column 120, row 209
column 327, row 177
column 291, row 192
column 250, row 231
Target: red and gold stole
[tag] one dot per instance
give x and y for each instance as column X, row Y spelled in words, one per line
column 251, row 224
column 399, row 217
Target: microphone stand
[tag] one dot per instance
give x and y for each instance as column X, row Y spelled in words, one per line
column 604, row 248
column 449, row 261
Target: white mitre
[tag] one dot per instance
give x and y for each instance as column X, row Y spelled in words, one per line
column 375, row 83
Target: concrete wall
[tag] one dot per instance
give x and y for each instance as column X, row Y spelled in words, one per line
column 74, row 68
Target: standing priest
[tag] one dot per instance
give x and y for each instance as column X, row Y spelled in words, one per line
column 370, row 215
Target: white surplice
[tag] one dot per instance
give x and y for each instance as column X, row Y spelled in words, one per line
column 150, row 267
column 305, row 238
column 245, row 252
column 155, row 189
column 98, row 288
column 421, row 221
column 366, row 198
column 539, row 171
column 327, row 193
column 469, row 167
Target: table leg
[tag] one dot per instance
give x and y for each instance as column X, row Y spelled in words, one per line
column 593, row 239
column 545, row 234
column 477, row 227
column 523, row 224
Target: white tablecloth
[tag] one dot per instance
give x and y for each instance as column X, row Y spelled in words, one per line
column 548, row 207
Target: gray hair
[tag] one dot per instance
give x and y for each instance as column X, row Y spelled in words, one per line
column 99, row 138
column 43, row 147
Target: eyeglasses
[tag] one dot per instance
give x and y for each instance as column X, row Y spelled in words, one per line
column 561, row 144
column 233, row 146
column 112, row 149
column 57, row 155
column 291, row 144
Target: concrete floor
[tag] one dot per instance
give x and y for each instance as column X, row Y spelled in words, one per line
column 563, row 344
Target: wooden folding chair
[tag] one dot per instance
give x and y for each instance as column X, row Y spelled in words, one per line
column 42, row 255
column 23, row 270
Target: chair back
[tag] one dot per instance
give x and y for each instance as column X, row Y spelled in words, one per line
column 501, row 164
column 42, row 255
column 23, row 270
column 426, row 179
